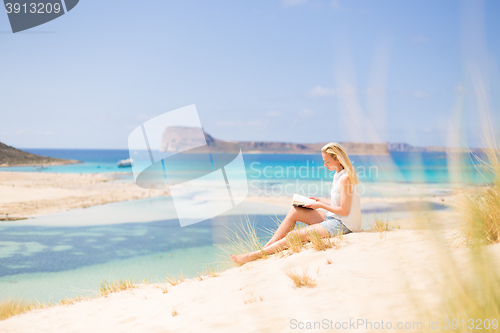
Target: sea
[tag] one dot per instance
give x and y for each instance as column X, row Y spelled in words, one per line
column 53, row 257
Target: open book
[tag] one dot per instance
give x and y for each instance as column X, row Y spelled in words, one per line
column 300, row 200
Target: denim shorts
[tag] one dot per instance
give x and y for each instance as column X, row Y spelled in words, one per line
column 334, row 226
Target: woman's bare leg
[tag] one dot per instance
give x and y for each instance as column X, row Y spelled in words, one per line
column 280, row 244
column 308, row 216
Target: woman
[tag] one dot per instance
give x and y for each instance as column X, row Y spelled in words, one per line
column 343, row 213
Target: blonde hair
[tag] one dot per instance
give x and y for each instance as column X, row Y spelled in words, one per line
column 337, row 152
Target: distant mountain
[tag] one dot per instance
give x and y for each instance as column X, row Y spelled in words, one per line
column 175, row 138
column 406, row 148
column 10, row 156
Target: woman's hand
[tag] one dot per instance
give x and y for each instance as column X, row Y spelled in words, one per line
column 314, row 205
column 314, row 198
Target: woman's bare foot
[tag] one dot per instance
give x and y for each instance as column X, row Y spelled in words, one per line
column 240, row 259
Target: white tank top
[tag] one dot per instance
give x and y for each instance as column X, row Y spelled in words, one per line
column 353, row 220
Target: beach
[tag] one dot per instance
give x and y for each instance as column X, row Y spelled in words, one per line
column 394, row 277
column 25, row 194
column 370, row 276
column 143, row 165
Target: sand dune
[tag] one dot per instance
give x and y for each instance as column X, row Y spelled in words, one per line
column 370, row 278
column 392, row 277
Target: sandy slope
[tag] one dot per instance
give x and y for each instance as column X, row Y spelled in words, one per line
column 369, row 278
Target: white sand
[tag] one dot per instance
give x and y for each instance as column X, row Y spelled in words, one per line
column 369, row 278
column 34, row 193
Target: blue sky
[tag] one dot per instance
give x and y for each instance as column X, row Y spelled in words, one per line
column 269, row 70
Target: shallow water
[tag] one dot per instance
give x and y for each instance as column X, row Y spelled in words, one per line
column 51, row 261
column 397, row 167
column 68, row 254
column 52, row 257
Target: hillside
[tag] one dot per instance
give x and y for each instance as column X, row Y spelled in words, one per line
column 175, row 138
column 406, row 148
column 10, row 156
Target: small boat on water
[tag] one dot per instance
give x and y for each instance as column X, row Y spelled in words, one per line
column 39, row 167
column 125, row 163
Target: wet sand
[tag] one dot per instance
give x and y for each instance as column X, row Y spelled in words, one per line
column 24, row 194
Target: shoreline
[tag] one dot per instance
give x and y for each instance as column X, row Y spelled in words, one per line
column 66, row 162
column 29, row 194
column 391, row 269
column 383, row 267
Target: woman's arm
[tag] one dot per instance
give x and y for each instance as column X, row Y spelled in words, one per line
column 318, row 199
column 345, row 200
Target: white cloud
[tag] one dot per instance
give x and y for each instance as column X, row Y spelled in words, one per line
column 320, row 91
column 306, row 112
column 293, row 2
column 20, row 131
column 48, row 133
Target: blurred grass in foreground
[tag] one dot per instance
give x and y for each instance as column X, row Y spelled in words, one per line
column 470, row 299
column 481, row 210
column 12, row 307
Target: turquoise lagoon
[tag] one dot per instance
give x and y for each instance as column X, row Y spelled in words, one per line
column 52, row 257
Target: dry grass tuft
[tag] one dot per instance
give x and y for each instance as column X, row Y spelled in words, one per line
column 13, row 307
column 253, row 299
column 476, row 294
column 164, row 290
column 336, row 240
column 319, row 243
column 295, row 243
column 107, row 288
column 280, row 252
column 277, row 223
column 471, row 292
column 382, row 225
column 212, row 270
column 301, row 280
column 481, row 212
column 173, row 280
column 174, row 312
column 73, row 300
column 328, row 261
column 242, row 240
